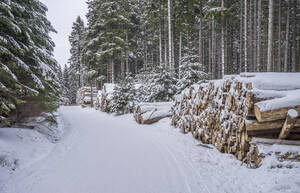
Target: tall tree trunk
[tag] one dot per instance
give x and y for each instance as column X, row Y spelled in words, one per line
column 145, row 56
column 112, row 71
column 294, row 45
column 122, row 66
column 92, row 95
column 250, row 33
column 287, row 31
column 254, row 36
column 279, row 38
column 173, row 43
column 241, row 37
column 213, row 54
column 259, row 35
column 246, row 35
column 200, row 44
column 170, row 34
column 180, row 48
column 160, row 34
column 127, row 57
column 222, row 43
column 210, row 49
column 270, row 37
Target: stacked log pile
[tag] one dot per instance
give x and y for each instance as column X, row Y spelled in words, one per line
column 149, row 113
column 228, row 113
column 104, row 97
column 83, row 96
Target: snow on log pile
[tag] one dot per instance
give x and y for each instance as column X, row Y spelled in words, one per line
column 230, row 112
column 105, row 97
column 149, row 113
column 83, row 96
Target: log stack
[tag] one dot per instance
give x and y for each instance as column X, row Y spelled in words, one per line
column 104, row 97
column 228, row 113
column 83, row 96
column 149, row 113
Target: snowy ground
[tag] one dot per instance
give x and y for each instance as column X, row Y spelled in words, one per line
column 102, row 153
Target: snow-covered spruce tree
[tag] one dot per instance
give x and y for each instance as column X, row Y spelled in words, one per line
column 160, row 85
column 66, row 88
column 190, row 72
column 123, row 99
column 75, row 69
column 27, row 68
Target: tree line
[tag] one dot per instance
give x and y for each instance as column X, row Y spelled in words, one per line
column 220, row 36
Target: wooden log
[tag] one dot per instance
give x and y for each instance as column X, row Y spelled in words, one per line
column 294, row 136
column 274, row 141
column 273, row 115
column 254, row 125
column 289, row 123
column 154, row 119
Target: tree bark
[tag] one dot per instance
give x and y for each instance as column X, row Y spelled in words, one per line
column 210, row 50
column 127, row 57
column 241, row 36
column 112, row 71
column 254, row 37
column 160, row 34
column 222, row 43
column 258, row 67
column 279, row 38
column 170, row 34
column 213, row 53
column 287, row 31
column 246, row 35
column 270, row 37
column 180, row 48
column 250, row 33
column 200, row 44
column 294, row 45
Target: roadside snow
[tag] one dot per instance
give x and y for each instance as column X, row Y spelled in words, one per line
column 19, row 148
column 104, row 153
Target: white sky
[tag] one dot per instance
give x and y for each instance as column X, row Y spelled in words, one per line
column 62, row 14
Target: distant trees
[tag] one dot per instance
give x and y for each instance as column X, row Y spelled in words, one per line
column 223, row 37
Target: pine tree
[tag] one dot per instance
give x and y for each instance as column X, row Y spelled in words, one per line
column 123, row 99
column 76, row 41
column 189, row 74
column 27, row 68
column 160, row 86
column 66, row 84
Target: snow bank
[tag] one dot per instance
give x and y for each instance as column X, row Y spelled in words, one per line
column 288, row 99
column 272, row 80
column 22, row 147
column 282, row 88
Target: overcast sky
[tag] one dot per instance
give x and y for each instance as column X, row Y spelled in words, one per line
column 62, row 14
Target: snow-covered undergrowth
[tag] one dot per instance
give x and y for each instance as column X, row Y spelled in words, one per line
column 22, row 147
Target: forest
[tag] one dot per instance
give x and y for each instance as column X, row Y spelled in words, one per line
column 214, row 38
column 101, row 104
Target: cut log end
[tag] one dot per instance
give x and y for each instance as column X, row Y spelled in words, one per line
column 289, row 123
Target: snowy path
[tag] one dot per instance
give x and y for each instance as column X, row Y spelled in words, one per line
column 105, row 154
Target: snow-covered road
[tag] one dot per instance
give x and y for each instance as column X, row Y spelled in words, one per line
column 101, row 153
